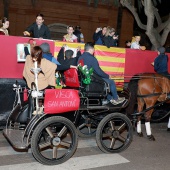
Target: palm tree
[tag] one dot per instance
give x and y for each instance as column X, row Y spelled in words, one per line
column 155, row 29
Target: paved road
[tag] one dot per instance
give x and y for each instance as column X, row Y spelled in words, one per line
column 141, row 155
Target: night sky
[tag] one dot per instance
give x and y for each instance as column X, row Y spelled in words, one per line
column 164, row 10
column 164, row 7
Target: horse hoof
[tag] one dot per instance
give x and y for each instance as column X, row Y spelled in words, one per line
column 140, row 134
column 151, row 137
column 168, row 129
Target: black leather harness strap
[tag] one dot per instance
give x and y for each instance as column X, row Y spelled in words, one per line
column 152, row 94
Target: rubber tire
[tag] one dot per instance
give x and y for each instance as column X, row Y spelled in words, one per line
column 101, row 125
column 54, row 119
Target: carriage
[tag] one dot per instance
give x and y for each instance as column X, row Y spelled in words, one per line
column 53, row 135
column 50, row 121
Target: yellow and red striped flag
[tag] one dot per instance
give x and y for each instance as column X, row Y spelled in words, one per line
column 111, row 60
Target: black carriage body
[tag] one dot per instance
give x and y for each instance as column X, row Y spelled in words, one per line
column 25, row 129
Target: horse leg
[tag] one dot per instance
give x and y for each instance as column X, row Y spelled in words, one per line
column 140, row 108
column 168, row 129
column 148, row 125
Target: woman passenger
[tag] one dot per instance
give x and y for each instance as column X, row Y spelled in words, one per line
column 46, row 78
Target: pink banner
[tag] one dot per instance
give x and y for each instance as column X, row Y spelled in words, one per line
column 61, row 101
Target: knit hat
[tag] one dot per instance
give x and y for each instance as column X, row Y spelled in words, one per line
column 161, row 50
column 45, row 47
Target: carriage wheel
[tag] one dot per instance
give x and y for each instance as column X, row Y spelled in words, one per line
column 54, row 140
column 86, row 127
column 114, row 133
column 160, row 114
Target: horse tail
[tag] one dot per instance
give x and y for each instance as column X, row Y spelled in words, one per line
column 133, row 88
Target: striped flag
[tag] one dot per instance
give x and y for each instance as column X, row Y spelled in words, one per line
column 111, row 60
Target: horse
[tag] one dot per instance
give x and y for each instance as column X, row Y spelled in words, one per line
column 146, row 89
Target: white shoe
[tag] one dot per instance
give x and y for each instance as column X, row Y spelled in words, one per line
column 116, row 102
column 119, row 98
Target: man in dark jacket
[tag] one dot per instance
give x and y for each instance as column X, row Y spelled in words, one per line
column 38, row 28
column 99, row 35
column 91, row 62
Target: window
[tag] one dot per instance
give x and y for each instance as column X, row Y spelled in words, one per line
column 57, row 30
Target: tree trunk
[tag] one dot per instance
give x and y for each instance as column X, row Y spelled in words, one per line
column 154, row 33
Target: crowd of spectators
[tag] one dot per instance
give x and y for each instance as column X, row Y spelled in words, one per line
column 105, row 36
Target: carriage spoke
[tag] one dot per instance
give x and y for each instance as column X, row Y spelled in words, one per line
column 63, row 130
column 66, row 144
column 106, row 136
column 121, row 127
column 112, row 143
column 54, row 152
column 89, row 129
column 121, row 138
column 112, row 125
column 49, row 132
column 107, row 133
column 44, row 145
column 81, row 126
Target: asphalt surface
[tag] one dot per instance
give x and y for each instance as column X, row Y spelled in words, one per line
column 142, row 154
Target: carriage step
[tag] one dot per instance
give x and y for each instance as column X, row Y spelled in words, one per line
column 15, row 137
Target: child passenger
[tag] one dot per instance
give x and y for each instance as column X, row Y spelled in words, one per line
column 70, row 37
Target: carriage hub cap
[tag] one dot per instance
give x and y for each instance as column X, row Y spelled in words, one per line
column 115, row 134
column 56, row 141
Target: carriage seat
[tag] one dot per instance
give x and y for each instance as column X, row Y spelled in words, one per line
column 97, row 88
column 22, row 114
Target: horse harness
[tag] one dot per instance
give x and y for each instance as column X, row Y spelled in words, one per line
column 152, row 94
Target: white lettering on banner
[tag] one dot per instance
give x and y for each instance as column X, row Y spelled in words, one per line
column 71, row 79
column 63, row 94
column 62, row 103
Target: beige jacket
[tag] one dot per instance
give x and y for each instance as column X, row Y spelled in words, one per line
column 44, row 80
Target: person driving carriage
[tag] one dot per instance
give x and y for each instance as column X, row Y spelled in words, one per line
column 91, row 62
column 46, row 78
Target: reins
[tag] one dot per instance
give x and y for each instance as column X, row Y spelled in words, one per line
column 152, row 107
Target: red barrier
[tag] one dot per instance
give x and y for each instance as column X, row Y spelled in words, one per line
column 136, row 61
column 9, row 67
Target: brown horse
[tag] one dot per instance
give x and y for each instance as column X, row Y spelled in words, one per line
column 147, row 89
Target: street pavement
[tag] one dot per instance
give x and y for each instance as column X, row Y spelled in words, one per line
column 142, row 154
